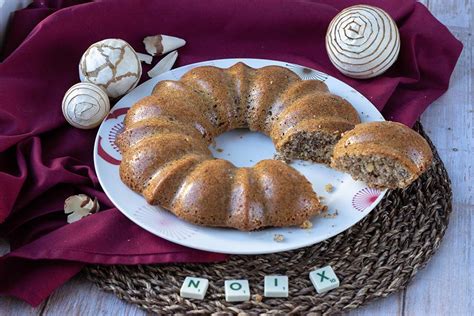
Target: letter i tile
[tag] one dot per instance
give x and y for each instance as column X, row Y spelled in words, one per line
column 276, row 286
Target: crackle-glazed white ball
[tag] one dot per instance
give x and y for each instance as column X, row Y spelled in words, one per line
column 362, row 41
column 111, row 64
column 85, row 105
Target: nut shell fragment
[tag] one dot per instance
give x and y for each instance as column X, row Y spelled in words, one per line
column 162, row 44
column 163, row 65
column 79, row 206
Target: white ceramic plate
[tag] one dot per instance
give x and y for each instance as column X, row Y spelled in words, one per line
column 352, row 200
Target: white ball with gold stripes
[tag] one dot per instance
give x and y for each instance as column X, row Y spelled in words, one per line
column 85, row 105
column 362, row 41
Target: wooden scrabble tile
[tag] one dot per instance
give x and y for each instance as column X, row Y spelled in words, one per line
column 324, row 279
column 237, row 290
column 194, row 288
column 276, row 286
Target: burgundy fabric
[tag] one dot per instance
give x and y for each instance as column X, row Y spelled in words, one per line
column 43, row 160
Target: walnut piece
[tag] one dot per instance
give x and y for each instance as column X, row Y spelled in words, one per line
column 370, row 167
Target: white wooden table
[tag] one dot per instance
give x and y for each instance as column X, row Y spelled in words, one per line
column 445, row 287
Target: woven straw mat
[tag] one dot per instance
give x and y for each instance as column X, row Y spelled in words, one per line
column 374, row 258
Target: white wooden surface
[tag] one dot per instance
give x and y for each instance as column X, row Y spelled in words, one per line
column 445, row 286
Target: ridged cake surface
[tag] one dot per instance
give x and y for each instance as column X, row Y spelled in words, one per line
column 166, row 138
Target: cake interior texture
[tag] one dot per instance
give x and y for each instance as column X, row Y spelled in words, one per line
column 316, row 146
column 375, row 170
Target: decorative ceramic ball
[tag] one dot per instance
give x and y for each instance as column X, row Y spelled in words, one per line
column 111, row 64
column 85, row 105
column 362, row 41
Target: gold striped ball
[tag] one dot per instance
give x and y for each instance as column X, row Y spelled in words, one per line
column 362, row 41
column 85, row 105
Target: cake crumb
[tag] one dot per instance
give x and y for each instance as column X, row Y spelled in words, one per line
column 329, row 188
column 325, row 213
column 278, row 237
column 306, row 224
column 258, row 298
column 219, row 150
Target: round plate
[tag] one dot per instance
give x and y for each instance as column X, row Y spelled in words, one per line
column 348, row 203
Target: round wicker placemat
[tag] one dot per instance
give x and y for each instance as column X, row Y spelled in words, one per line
column 376, row 257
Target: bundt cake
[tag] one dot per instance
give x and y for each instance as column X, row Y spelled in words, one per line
column 382, row 154
column 165, row 155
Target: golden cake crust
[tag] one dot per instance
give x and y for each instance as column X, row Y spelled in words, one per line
column 166, row 159
column 321, row 107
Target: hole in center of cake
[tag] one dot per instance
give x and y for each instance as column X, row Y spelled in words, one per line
column 242, row 147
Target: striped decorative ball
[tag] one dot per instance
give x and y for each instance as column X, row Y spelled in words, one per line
column 85, row 105
column 362, row 41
